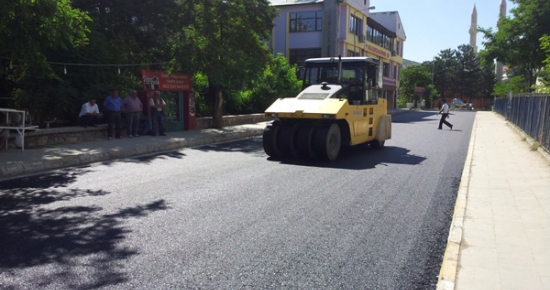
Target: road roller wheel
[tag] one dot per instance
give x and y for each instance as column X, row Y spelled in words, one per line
column 286, row 140
column 328, row 141
column 377, row 144
column 269, row 141
column 304, row 141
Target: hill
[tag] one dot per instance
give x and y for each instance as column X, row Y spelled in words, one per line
column 407, row 63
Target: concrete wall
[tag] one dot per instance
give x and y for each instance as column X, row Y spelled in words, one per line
column 71, row 135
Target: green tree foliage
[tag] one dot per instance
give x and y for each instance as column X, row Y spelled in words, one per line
column 416, row 76
column 223, row 44
column 460, row 72
column 277, row 80
column 225, row 41
column 29, row 27
column 119, row 32
column 545, row 46
column 29, row 30
column 517, row 85
column 516, row 42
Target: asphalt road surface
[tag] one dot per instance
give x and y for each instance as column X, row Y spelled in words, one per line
column 227, row 217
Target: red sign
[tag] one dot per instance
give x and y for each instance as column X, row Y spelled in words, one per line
column 377, row 51
column 389, row 82
column 162, row 81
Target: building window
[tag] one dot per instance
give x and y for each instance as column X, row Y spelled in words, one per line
column 306, row 21
column 387, row 70
column 395, row 72
column 354, row 25
column 352, row 53
column 299, row 56
column 379, row 38
column 398, row 46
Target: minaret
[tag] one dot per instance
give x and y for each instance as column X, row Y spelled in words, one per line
column 473, row 30
column 500, row 65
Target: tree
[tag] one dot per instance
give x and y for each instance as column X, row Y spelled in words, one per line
column 516, row 42
column 469, row 75
column 225, row 41
column 29, row 27
column 517, row 85
column 412, row 77
column 445, row 68
column 118, row 32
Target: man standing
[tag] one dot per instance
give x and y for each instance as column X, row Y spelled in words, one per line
column 4, row 133
column 132, row 106
column 114, row 105
column 444, row 115
column 89, row 114
column 157, row 105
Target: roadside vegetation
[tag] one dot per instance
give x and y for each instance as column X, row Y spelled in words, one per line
column 55, row 54
column 521, row 42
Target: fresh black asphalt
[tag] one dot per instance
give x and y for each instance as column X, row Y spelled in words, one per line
column 226, row 216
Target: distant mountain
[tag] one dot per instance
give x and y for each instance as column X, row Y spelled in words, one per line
column 407, row 63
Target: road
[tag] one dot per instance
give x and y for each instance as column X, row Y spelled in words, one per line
column 225, row 216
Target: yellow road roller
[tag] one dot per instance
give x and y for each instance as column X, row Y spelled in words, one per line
column 340, row 104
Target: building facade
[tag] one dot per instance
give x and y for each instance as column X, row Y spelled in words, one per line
column 315, row 28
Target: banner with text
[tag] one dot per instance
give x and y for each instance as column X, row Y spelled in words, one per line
column 162, row 81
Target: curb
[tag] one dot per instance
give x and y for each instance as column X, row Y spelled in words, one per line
column 449, row 266
column 26, row 168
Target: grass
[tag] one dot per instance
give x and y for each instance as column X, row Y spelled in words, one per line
column 535, row 146
column 524, row 139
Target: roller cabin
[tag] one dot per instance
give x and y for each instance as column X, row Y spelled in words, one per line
column 338, row 106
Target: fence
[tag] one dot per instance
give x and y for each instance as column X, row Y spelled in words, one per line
column 531, row 113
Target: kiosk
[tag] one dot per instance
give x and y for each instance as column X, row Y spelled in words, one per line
column 177, row 92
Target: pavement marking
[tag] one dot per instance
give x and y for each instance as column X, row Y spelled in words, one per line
column 449, row 266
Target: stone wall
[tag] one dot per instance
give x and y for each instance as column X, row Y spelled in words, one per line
column 71, row 135
column 62, row 135
column 233, row 120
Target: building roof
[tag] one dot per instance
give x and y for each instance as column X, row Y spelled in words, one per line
column 293, row 2
column 390, row 20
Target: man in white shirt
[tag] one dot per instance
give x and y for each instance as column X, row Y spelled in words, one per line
column 157, row 105
column 89, row 114
column 444, row 115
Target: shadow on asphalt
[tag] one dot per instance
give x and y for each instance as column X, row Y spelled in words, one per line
column 151, row 158
column 361, row 158
column 356, row 158
column 413, row 117
column 249, row 145
column 69, row 240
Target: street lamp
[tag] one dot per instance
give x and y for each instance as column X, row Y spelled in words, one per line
column 509, row 107
column 354, row 34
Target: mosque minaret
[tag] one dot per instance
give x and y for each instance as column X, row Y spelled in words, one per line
column 500, row 66
column 473, row 30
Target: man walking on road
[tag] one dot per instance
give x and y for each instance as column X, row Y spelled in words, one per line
column 444, row 115
column 133, row 108
column 114, row 105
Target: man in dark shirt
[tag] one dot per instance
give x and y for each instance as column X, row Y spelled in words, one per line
column 113, row 104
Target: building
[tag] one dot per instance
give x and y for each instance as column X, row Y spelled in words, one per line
column 316, row 28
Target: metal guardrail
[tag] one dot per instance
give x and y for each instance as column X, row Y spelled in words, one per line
column 530, row 112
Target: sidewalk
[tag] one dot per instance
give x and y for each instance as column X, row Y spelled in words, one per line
column 500, row 235
column 15, row 163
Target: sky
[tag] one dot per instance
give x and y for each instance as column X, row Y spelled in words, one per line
column 434, row 25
